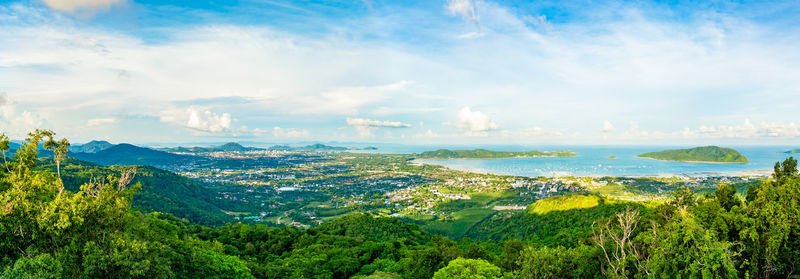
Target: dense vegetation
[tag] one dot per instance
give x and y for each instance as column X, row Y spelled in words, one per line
column 161, row 190
column 489, row 154
column 50, row 231
column 712, row 154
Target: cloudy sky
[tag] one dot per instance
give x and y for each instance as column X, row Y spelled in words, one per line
column 429, row 71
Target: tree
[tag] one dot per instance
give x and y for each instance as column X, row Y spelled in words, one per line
column 726, row 196
column 469, row 269
column 615, row 237
column 60, row 150
column 776, row 210
column 685, row 249
column 511, row 254
column 683, row 197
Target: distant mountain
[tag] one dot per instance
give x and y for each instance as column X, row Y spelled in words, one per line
column 489, row 154
column 91, row 147
column 228, row 147
column 127, row 155
column 793, row 151
column 705, row 154
column 310, row 148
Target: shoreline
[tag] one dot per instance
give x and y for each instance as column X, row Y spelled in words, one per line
column 744, row 173
column 491, row 158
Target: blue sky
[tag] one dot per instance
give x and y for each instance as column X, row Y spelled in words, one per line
column 451, row 71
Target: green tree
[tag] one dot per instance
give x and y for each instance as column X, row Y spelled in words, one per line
column 726, row 196
column 469, row 269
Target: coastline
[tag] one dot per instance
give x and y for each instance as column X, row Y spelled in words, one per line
column 744, row 173
column 490, row 158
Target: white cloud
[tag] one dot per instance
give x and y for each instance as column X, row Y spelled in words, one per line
column 474, row 122
column 608, row 127
column 15, row 121
column 347, row 100
column 279, row 132
column 617, row 66
column 72, row 5
column 100, row 121
column 471, row 35
column 463, row 8
column 365, row 127
column 375, row 123
column 199, row 119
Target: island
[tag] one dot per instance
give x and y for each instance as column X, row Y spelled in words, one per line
column 793, row 151
column 705, row 154
column 490, row 154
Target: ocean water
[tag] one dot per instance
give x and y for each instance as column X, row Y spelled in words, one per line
column 595, row 161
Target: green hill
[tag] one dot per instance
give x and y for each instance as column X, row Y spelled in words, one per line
column 228, row 147
column 705, row 154
column 129, row 155
column 793, row 151
column 309, row 148
column 489, row 154
column 557, row 221
column 161, row 191
column 91, row 147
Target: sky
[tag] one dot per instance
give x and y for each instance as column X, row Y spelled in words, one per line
column 410, row 72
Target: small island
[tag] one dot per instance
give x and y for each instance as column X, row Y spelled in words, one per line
column 793, row 151
column 489, row 154
column 705, row 154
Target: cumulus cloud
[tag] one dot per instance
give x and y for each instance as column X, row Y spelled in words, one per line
column 199, row 119
column 463, row 8
column 474, row 122
column 16, row 121
column 608, row 127
column 100, row 121
column 72, row 5
column 279, row 132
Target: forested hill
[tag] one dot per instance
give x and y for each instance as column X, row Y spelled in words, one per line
column 710, row 154
column 161, row 191
column 91, row 147
column 228, row 147
column 489, row 154
column 127, row 155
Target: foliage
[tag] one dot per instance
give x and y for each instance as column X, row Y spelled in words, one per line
column 469, row 268
column 81, row 225
column 563, row 203
column 699, row 154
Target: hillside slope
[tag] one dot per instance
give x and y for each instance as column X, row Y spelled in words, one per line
column 705, row 154
column 161, row 191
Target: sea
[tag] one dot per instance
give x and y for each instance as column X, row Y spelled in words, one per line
column 598, row 161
